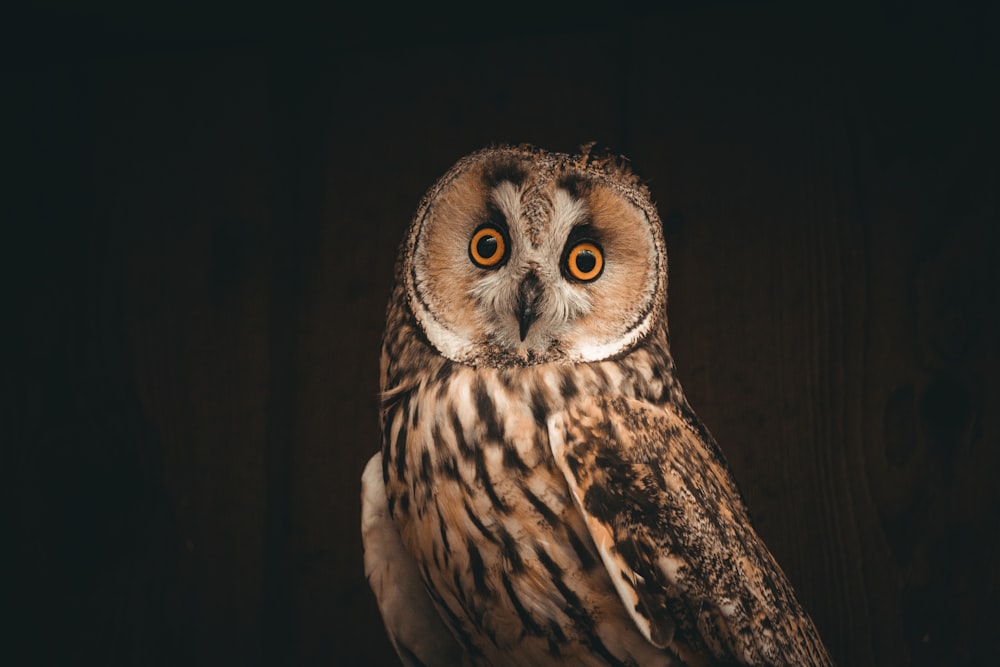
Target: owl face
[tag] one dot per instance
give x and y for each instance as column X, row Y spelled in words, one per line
column 518, row 256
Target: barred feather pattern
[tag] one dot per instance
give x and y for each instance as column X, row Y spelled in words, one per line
column 505, row 554
column 472, row 485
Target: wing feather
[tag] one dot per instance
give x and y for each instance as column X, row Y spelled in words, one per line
column 676, row 538
column 417, row 632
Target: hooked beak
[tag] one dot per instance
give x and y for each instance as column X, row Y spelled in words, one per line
column 529, row 294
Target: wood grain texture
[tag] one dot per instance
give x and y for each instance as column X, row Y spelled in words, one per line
column 201, row 220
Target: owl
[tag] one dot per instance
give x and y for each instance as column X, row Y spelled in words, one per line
column 544, row 493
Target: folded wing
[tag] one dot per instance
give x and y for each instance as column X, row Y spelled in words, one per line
column 676, row 538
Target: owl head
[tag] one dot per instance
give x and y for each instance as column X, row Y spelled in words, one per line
column 518, row 256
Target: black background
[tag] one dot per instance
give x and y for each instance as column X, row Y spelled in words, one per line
column 201, row 208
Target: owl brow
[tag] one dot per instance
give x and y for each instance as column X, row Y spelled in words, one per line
column 577, row 185
column 497, row 173
column 496, row 217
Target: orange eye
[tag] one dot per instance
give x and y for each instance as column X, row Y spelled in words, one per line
column 488, row 247
column 585, row 261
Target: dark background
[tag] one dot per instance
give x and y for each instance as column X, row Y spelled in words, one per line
column 200, row 214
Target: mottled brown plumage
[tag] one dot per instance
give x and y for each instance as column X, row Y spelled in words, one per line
column 541, row 472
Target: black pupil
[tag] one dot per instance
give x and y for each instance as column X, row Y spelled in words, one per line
column 585, row 261
column 486, row 247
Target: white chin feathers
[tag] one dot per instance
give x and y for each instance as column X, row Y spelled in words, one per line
column 540, row 345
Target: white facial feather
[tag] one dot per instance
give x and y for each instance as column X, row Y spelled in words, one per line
column 497, row 292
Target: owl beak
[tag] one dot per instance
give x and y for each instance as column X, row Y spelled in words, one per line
column 529, row 295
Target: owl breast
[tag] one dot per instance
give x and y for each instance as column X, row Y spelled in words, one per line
column 472, row 485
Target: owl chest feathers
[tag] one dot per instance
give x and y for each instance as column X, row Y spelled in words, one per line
column 480, row 504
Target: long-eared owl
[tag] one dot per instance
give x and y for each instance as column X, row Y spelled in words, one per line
column 544, row 493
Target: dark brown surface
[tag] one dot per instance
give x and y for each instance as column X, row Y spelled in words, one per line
column 202, row 209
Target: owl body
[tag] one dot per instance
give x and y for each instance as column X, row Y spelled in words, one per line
column 544, row 494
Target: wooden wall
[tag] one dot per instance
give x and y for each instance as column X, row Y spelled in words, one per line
column 200, row 217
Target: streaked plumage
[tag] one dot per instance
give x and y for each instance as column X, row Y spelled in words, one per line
column 544, row 494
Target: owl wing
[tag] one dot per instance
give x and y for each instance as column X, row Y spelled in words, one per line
column 413, row 624
column 675, row 536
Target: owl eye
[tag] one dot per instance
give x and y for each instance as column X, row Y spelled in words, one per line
column 584, row 261
column 488, row 247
